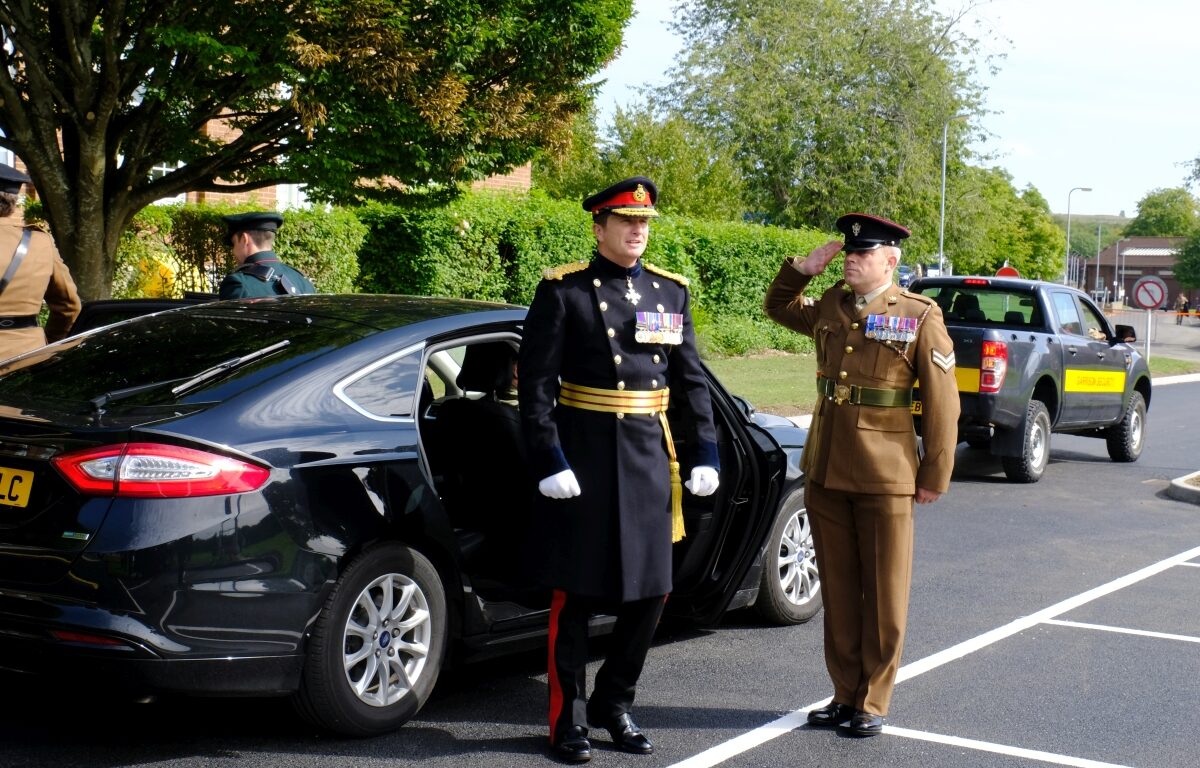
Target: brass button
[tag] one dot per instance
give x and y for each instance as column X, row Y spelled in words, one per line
column 653, row 383
column 604, row 306
column 660, row 307
column 611, row 333
column 596, row 282
column 854, row 326
column 617, row 359
column 620, row 385
column 849, row 350
column 620, row 415
column 655, row 284
column 842, row 375
column 656, row 358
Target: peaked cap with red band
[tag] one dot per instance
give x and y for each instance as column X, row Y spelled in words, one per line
column 866, row 233
column 634, row 196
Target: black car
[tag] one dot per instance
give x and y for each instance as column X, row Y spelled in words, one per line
column 322, row 497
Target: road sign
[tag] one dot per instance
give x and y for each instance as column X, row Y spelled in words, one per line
column 1150, row 292
column 1007, row 271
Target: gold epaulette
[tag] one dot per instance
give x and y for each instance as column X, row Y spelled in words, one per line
column 557, row 273
column 669, row 275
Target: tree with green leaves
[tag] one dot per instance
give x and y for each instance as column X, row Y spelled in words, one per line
column 695, row 175
column 830, row 105
column 1187, row 262
column 995, row 225
column 1165, row 213
column 110, row 105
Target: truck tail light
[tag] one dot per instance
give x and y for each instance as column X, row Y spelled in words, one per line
column 993, row 364
column 155, row 470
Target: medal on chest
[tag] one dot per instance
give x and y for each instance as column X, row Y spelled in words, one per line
column 631, row 295
column 891, row 329
column 658, row 328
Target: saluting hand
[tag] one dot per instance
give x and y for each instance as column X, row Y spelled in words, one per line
column 819, row 258
column 560, row 486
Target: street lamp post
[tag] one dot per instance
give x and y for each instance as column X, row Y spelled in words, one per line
column 1067, row 271
column 942, row 215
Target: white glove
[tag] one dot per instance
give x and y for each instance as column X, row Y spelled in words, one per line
column 560, row 486
column 704, row 481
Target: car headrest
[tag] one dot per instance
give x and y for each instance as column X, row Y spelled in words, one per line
column 487, row 367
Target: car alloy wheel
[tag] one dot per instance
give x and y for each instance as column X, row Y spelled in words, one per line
column 376, row 648
column 386, row 639
column 790, row 589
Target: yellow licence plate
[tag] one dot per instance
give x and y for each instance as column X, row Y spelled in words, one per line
column 15, row 485
column 916, row 407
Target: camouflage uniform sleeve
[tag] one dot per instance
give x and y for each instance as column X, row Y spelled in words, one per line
column 940, row 402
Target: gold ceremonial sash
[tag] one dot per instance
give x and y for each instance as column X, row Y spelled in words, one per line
column 622, row 401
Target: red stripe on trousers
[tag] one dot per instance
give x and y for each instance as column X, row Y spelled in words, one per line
column 556, row 605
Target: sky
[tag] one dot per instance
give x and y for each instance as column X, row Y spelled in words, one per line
column 1091, row 93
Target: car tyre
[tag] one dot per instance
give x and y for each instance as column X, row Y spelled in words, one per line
column 1035, row 447
column 1125, row 439
column 790, row 589
column 377, row 647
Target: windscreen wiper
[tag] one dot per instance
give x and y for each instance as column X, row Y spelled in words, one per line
column 189, row 382
column 229, row 365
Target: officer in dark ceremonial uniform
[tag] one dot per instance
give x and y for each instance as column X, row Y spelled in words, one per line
column 31, row 272
column 259, row 272
column 608, row 343
column 861, row 460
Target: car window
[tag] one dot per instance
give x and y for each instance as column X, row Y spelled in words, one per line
column 387, row 389
column 984, row 305
column 1094, row 324
column 161, row 349
column 1067, row 312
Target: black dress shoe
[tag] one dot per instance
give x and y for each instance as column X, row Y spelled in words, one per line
column 830, row 715
column 626, row 735
column 864, row 724
column 573, row 745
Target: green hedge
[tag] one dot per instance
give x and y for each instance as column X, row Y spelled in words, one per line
column 483, row 245
column 169, row 249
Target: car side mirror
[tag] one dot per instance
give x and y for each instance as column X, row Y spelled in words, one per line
column 1126, row 334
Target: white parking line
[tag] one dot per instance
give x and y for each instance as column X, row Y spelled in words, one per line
column 1193, row 565
column 1000, row 749
column 761, row 735
column 1124, row 630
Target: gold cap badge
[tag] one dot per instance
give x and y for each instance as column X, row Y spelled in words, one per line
column 639, row 194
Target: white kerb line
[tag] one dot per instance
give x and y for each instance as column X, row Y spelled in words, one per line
column 764, row 733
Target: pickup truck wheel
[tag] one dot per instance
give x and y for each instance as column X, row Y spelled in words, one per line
column 1035, row 448
column 1126, row 438
column 790, row 590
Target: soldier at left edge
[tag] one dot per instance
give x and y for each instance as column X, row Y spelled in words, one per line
column 260, row 273
column 34, row 273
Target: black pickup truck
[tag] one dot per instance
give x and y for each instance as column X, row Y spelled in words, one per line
column 1033, row 358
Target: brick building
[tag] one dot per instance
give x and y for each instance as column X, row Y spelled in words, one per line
column 1111, row 276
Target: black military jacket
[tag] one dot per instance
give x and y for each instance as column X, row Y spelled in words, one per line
column 614, row 540
column 263, row 274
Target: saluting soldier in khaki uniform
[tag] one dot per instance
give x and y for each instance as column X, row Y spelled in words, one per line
column 31, row 271
column 862, row 463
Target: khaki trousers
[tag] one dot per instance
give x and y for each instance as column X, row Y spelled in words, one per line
column 864, row 552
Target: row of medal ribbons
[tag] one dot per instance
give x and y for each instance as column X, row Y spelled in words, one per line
column 888, row 328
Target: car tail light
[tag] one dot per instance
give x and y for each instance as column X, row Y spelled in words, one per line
column 155, row 470
column 993, row 364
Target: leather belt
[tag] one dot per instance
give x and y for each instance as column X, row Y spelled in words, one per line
column 18, row 321
column 621, row 402
column 853, row 394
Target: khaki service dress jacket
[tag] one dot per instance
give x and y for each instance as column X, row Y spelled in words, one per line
column 866, row 448
column 42, row 276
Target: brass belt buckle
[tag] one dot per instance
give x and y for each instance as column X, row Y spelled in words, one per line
column 841, row 393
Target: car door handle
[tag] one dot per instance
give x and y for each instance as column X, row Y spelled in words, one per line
column 1072, row 350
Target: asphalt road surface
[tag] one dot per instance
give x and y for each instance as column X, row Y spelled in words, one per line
column 1051, row 624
